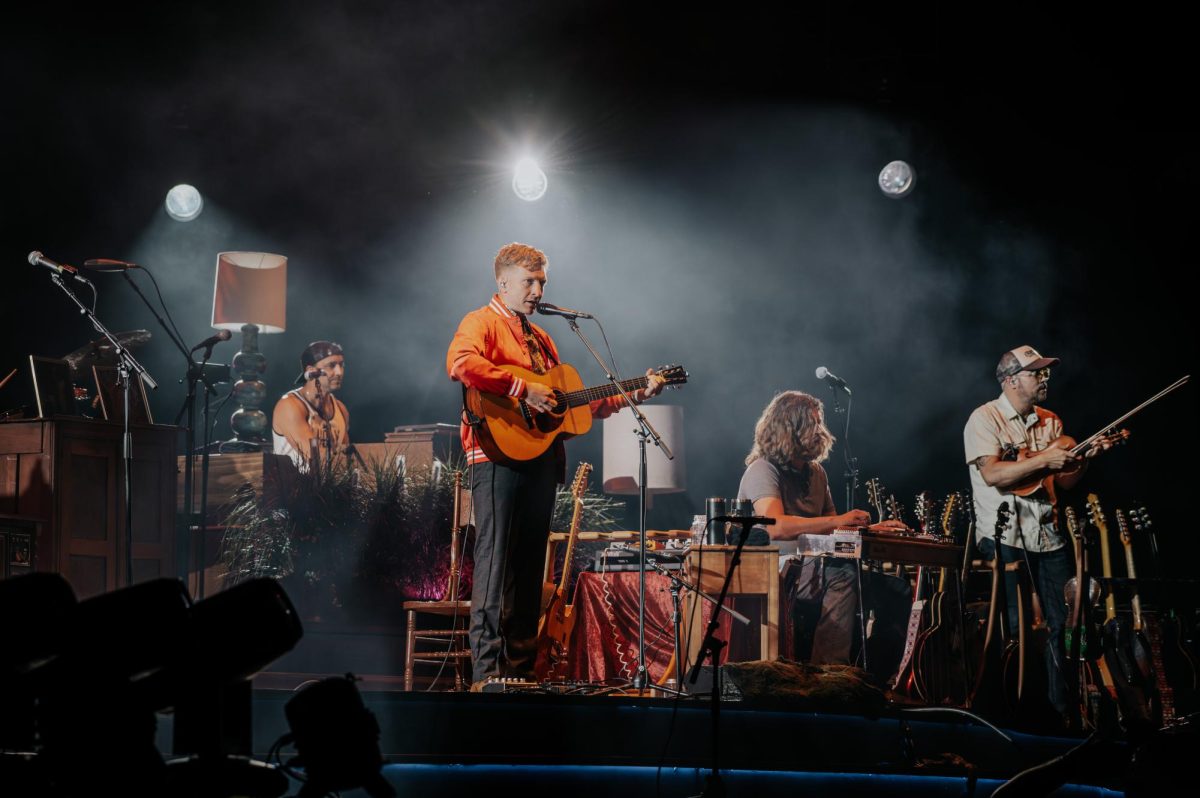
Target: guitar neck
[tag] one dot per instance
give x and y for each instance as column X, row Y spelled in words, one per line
column 1110, row 602
column 565, row 579
column 586, row 395
column 1135, row 603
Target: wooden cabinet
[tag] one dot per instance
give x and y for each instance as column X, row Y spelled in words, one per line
column 62, row 480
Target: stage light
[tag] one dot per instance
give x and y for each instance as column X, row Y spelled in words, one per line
column 529, row 181
column 336, row 739
column 896, row 179
column 184, row 203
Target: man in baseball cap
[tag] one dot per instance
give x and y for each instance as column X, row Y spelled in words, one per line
column 311, row 425
column 1023, row 358
column 1008, row 443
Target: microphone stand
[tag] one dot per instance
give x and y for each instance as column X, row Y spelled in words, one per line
column 189, row 459
column 714, row 787
column 645, row 431
column 127, row 365
column 851, row 474
column 678, row 583
column 197, row 373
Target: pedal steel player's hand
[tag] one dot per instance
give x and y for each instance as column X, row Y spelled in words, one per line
column 891, row 525
column 854, row 518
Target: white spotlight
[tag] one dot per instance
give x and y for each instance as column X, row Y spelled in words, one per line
column 897, row 179
column 184, row 203
column 529, row 181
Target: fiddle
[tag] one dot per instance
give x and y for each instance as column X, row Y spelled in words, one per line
column 1103, row 440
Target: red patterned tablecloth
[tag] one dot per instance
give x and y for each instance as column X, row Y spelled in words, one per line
column 605, row 638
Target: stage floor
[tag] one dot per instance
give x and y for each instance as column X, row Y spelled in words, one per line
column 633, row 744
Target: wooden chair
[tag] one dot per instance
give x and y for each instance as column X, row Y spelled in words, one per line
column 445, row 646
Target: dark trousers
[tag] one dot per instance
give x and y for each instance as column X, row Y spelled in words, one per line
column 1048, row 572
column 823, row 593
column 513, row 507
column 831, row 584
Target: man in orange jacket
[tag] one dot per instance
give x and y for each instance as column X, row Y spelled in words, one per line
column 513, row 503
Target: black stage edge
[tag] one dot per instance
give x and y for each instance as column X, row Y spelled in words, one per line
column 609, row 731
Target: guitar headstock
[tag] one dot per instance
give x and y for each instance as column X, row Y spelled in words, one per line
column 924, row 510
column 875, row 496
column 1072, row 522
column 579, row 484
column 1140, row 518
column 1122, row 527
column 951, row 511
column 895, row 510
column 673, row 375
column 1096, row 514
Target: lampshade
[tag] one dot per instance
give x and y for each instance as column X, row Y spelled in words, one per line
column 251, row 288
column 621, row 452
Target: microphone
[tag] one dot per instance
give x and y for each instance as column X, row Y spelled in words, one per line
column 312, row 374
column 546, row 309
column 834, row 380
column 110, row 265
column 38, row 259
column 213, row 340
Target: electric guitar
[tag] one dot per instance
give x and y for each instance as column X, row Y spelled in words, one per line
column 558, row 619
column 907, row 674
column 1129, row 683
column 1146, row 645
column 1173, row 663
column 509, row 432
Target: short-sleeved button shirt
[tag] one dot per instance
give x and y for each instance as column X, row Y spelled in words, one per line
column 995, row 428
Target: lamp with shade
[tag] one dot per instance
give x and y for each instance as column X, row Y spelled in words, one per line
column 250, row 294
column 621, row 453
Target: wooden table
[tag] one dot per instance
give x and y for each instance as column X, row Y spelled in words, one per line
column 757, row 575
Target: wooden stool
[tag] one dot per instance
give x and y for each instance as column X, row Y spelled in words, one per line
column 440, row 647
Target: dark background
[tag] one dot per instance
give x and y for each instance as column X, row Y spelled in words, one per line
column 712, row 199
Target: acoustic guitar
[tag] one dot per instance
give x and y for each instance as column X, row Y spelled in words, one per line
column 988, row 689
column 940, row 676
column 509, row 432
column 558, row 619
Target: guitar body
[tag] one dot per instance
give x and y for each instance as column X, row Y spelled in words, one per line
column 556, row 631
column 1133, row 689
column 941, row 678
column 1179, row 668
column 558, row 619
column 510, row 433
column 987, row 692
